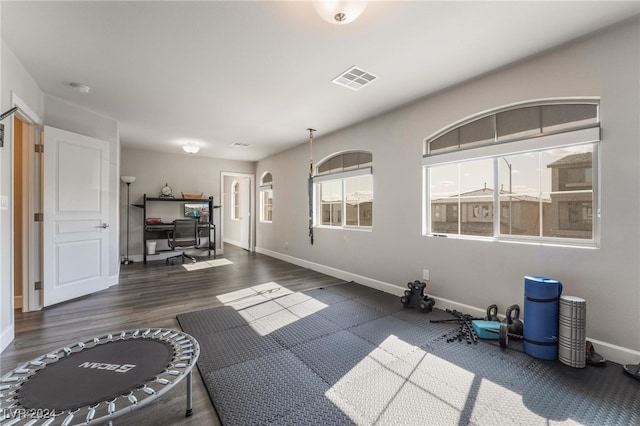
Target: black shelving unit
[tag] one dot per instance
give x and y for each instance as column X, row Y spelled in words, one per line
column 157, row 231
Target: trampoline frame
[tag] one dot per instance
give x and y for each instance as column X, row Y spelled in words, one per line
column 186, row 351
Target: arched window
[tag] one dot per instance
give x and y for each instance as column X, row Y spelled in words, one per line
column 345, row 161
column 235, row 200
column 527, row 120
column 266, row 198
column 344, row 190
column 526, row 172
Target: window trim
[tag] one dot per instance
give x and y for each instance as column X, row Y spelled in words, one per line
column 264, row 189
column 495, row 151
column 339, row 176
column 577, row 137
column 344, row 175
column 361, row 228
column 342, row 154
column 262, row 182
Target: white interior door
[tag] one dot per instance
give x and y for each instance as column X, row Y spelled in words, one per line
column 76, row 213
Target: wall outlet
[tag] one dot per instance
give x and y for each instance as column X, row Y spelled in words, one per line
column 425, row 274
column 4, row 202
column 286, row 245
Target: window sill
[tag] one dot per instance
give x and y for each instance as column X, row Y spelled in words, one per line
column 345, row 228
column 533, row 241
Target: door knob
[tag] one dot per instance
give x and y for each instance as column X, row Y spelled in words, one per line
column 104, row 225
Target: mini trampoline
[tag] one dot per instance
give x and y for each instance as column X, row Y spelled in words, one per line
column 96, row 380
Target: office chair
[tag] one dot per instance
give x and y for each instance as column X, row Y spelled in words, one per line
column 183, row 236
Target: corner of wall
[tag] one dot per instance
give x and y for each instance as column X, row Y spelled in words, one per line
column 6, row 337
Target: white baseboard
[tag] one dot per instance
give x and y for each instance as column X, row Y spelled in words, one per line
column 338, row 273
column 114, row 280
column 136, row 258
column 232, row 242
column 6, row 337
column 610, row 351
column 615, row 353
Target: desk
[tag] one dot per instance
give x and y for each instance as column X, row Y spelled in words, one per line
column 159, row 231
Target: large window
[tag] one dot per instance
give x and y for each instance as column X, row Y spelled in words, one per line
column 344, row 191
column 266, row 198
column 541, row 188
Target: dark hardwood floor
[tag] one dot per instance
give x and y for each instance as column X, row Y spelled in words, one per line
column 151, row 296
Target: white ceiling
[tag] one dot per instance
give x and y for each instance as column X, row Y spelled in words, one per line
column 218, row 72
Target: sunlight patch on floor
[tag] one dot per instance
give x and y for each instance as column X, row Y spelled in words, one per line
column 205, row 264
column 268, row 307
column 398, row 381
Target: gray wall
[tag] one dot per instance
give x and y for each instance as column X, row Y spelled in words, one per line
column 183, row 172
column 479, row 273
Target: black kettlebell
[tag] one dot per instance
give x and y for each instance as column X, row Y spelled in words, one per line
column 513, row 320
column 492, row 313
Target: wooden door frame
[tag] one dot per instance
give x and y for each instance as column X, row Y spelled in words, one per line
column 32, row 203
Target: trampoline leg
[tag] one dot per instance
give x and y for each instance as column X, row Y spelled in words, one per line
column 189, row 401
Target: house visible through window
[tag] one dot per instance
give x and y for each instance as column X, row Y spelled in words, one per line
column 266, row 198
column 540, row 186
column 344, row 190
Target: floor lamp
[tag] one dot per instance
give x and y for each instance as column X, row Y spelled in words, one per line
column 128, row 180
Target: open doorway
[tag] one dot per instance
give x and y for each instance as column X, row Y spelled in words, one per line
column 21, row 135
column 27, row 201
column 237, row 209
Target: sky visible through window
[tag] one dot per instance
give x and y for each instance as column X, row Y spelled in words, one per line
column 524, row 169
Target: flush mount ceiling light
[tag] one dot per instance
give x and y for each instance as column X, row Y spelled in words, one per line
column 79, row 87
column 191, row 148
column 241, row 145
column 339, row 12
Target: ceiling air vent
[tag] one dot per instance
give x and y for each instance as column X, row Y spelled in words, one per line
column 354, row 78
column 241, row 145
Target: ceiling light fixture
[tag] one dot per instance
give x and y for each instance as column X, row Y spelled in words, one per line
column 339, row 12
column 81, row 88
column 240, row 145
column 191, row 148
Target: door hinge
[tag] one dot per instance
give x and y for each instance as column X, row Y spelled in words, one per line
column 38, row 217
column 38, row 285
column 39, row 147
